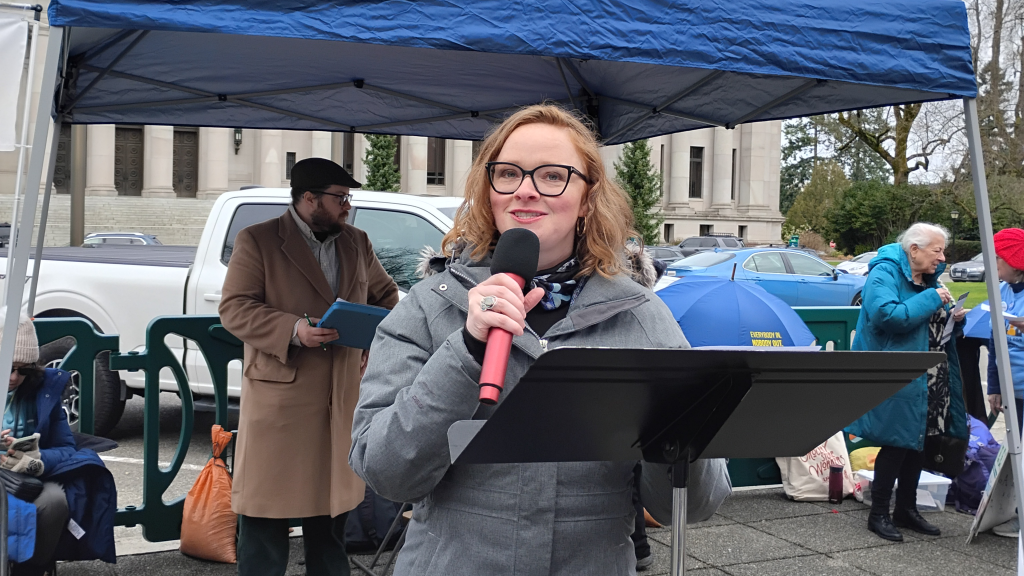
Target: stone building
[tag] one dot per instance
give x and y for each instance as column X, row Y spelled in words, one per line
column 715, row 180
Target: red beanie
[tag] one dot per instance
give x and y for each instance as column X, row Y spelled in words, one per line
column 1010, row 246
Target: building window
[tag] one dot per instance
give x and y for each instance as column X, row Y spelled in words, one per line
column 398, row 152
column 435, row 161
column 670, row 233
column 289, row 163
column 742, row 233
column 696, row 171
column 735, row 164
column 348, row 150
column 707, row 229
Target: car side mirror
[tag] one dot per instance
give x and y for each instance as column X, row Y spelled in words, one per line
column 835, row 275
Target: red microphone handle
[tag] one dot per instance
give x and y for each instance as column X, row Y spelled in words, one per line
column 492, row 371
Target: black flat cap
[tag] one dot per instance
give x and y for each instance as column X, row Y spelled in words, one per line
column 319, row 173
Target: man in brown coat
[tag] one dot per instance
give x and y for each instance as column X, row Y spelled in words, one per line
column 295, row 427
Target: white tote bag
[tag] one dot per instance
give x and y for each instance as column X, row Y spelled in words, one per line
column 806, row 478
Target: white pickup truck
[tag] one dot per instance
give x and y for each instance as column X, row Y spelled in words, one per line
column 120, row 289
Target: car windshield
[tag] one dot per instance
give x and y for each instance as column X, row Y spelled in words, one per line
column 704, row 259
column 978, row 258
column 449, row 211
column 865, row 257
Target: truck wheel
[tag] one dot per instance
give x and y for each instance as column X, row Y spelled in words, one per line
column 109, row 403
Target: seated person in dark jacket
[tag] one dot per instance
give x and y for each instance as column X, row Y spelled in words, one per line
column 39, row 442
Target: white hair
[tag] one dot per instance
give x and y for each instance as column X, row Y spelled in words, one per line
column 921, row 234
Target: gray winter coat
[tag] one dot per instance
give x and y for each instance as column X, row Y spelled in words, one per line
column 566, row 518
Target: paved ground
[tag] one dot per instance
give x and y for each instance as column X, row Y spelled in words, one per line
column 756, row 532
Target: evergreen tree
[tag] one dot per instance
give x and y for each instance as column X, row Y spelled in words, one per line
column 798, row 146
column 635, row 173
column 381, row 170
column 828, row 181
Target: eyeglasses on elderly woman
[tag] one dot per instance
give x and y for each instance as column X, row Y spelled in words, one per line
column 548, row 179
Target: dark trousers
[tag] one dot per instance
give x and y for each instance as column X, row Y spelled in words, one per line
column 639, row 536
column 51, row 521
column 969, row 352
column 893, row 463
column 263, row 546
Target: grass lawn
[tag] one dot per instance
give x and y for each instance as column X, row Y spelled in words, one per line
column 977, row 289
column 833, row 262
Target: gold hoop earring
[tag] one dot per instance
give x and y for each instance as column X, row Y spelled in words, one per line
column 581, row 227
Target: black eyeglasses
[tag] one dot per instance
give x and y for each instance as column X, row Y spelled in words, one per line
column 344, row 197
column 23, row 370
column 548, row 179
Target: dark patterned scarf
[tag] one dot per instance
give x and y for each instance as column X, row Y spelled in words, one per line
column 559, row 283
column 938, row 376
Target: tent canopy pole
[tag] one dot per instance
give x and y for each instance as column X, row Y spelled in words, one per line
column 21, row 233
column 988, row 251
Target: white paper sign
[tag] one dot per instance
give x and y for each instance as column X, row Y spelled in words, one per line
column 13, row 39
column 947, row 332
column 984, row 306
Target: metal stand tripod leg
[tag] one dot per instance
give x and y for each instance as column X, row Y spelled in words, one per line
column 680, row 478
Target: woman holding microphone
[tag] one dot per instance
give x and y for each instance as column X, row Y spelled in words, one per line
column 539, row 170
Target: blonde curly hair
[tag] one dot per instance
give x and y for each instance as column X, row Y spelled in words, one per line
column 601, row 235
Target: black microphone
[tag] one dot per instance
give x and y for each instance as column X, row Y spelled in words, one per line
column 516, row 255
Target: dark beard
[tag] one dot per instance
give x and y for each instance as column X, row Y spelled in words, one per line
column 323, row 223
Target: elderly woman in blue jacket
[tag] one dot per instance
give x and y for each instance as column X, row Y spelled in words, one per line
column 905, row 309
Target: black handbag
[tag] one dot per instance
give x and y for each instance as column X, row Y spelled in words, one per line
column 21, row 486
column 944, row 454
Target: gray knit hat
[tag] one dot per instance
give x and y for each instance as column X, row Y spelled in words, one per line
column 26, row 346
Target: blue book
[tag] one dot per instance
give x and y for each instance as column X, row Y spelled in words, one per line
column 355, row 323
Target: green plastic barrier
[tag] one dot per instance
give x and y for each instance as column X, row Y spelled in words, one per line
column 82, row 358
column 828, row 324
column 160, row 520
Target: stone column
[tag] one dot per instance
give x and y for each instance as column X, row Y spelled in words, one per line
column 99, row 161
column 461, row 161
column 270, row 159
column 773, row 159
column 321, row 145
column 679, row 169
column 358, row 155
column 337, row 143
column 216, row 146
column 158, row 162
column 722, row 169
column 758, row 166
column 414, row 165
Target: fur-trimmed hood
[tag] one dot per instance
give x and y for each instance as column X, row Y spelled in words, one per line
column 640, row 264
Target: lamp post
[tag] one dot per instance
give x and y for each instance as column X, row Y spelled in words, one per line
column 238, row 140
column 955, row 216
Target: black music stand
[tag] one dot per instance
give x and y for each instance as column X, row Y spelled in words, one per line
column 674, row 406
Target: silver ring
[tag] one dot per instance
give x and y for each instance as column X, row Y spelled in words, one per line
column 487, row 302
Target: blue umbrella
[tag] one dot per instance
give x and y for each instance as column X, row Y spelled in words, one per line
column 721, row 312
column 978, row 323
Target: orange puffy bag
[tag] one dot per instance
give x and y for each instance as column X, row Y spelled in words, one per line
column 208, row 525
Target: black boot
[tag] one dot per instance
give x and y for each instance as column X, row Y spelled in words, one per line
column 911, row 518
column 879, row 523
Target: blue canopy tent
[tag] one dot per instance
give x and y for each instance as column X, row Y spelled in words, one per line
column 453, row 68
